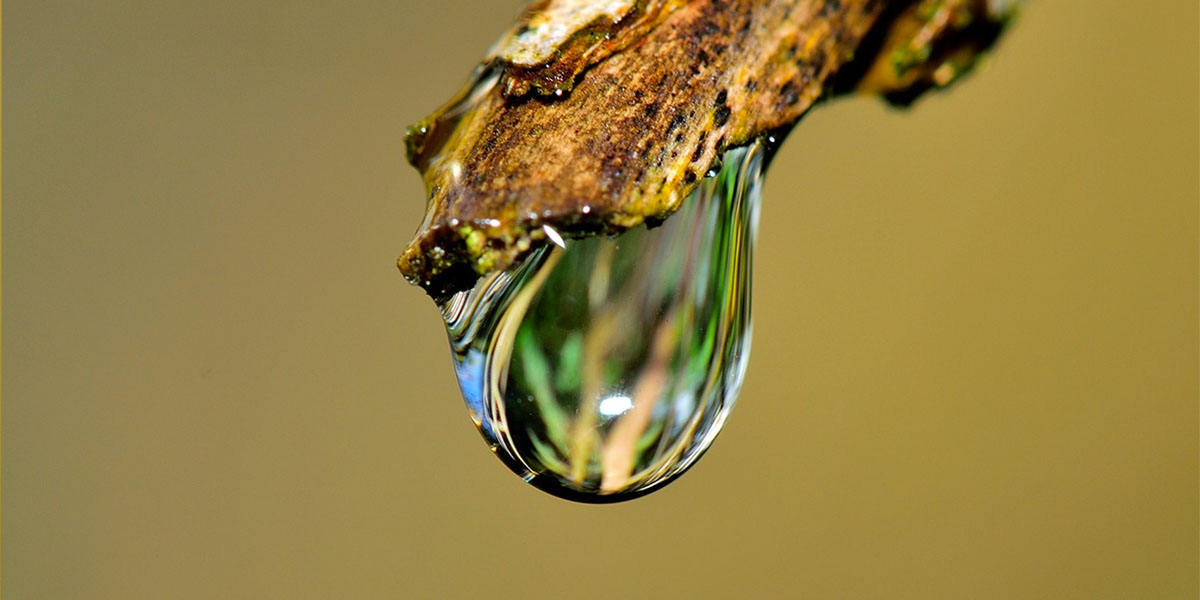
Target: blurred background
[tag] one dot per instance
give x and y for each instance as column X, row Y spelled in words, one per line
column 974, row 371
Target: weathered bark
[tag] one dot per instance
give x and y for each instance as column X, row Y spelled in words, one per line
column 594, row 117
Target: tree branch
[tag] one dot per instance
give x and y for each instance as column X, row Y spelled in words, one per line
column 594, row 117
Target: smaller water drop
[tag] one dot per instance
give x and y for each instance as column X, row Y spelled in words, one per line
column 602, row 368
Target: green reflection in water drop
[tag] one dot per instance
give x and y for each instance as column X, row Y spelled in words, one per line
column 603, row 369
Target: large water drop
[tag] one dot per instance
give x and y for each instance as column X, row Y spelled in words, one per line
column 602, row 368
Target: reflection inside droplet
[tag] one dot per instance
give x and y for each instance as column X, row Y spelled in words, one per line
column 615, row 405
column 602, row 368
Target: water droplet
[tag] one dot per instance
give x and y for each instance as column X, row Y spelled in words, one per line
column 603, row 369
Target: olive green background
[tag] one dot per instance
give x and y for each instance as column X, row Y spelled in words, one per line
column 975, row 360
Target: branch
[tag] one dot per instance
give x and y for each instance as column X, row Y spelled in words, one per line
column 594, row 117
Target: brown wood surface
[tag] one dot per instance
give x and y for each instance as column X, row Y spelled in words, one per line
column 619, row 124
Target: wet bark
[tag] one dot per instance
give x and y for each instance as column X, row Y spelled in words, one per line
column 593, row 117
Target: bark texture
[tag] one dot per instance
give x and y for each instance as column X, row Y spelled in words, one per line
column 592, row 117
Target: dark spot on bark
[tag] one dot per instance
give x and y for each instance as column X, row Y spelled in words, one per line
column 789, row 94
column 819, row 57
column 721, row 116
column 699, row 147
column 676, row 121
column 689, row 177
column 722, row 97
